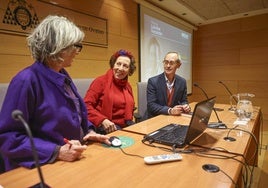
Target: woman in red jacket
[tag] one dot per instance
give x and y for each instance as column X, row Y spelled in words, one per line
column 109, row 99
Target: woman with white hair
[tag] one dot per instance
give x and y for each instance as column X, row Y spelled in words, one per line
column 48, row 100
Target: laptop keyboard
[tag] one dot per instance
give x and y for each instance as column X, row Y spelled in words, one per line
column 177, row 135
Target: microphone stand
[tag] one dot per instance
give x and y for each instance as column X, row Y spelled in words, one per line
column 218, row 124
column 231, row 95
column 17, row 115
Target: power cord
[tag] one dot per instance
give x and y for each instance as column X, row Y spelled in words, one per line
column 173, row 150
column 130, row 154
column 221, row 156
column 229, row 178
column 261, row 126
column 159, row 147
column 201, row 152
column 254, row 156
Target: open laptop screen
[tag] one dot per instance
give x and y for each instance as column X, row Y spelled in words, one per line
column 178, row 135
column 200, row 119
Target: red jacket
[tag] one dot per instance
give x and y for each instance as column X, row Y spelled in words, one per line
column 109, row 98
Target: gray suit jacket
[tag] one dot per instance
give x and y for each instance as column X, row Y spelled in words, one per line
column 157, row 94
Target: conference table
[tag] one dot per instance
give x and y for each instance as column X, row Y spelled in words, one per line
column 105, row 166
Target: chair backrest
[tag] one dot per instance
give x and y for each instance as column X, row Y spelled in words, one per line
column 142, row 99
column 3, row 90
column 82, row 85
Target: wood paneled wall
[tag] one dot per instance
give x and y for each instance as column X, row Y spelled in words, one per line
column 122, row 16
column 236, row 53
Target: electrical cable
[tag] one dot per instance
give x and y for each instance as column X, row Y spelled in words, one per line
column 248, row 171
column 255, row 140
column 261, row 126
column 219, row 156
column 129, row 154
column 159, row 147
column 173, row 150
column 229, row 178
column 228, row 138
column 253, row 157
column 247, row 168
column 150, row 144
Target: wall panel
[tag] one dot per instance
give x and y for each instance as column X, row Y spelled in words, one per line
column 235, row 52
column 254, row 55
column 92, row 61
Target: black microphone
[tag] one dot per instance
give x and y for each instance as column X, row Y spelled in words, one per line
column 17, row 115
column 228, row 138
column 218, row 124
column 196, row 85
column 228, row 90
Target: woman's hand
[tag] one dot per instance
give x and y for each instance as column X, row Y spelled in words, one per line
column 71, row 151
column 92, row 135
column 108, row 126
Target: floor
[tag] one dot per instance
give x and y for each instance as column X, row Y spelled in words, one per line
column 261, row 172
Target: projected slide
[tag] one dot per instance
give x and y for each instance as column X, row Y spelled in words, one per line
column 158, row 38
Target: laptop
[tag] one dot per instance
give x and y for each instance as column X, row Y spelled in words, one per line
column 177, row 135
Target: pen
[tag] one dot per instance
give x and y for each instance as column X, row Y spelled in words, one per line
column 67, row 142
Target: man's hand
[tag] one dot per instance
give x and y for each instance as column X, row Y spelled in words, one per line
column 186, row 108
column 176, row 110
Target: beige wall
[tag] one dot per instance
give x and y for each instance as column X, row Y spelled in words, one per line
column 235, row 52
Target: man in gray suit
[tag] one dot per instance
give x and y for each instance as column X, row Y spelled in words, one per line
column 167, row 92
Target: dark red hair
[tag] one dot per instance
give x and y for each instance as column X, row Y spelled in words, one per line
column 125, row 53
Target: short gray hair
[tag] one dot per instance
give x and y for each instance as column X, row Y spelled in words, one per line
column 173, row 52
column 52, row 35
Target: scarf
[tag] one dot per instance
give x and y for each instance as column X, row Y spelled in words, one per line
column 108, row 95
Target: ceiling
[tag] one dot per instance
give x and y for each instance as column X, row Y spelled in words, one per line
column 202, row 12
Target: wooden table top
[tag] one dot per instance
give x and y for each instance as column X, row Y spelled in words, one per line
column 103, row 166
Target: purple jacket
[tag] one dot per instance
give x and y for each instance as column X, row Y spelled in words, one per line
column 39, row 93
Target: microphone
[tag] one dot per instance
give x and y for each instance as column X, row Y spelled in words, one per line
column 218, row 124
column 18, row 116
column 231, row 108
column 228, row 138
column 196, row 85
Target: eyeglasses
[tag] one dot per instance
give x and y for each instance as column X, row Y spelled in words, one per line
column 78, row 47
column 167, row 62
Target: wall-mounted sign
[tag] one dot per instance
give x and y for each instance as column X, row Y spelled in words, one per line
column 19, row 17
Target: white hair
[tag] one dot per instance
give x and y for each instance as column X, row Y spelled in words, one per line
column 52, row 35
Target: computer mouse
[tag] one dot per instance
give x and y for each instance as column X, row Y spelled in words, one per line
column 115, row 141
